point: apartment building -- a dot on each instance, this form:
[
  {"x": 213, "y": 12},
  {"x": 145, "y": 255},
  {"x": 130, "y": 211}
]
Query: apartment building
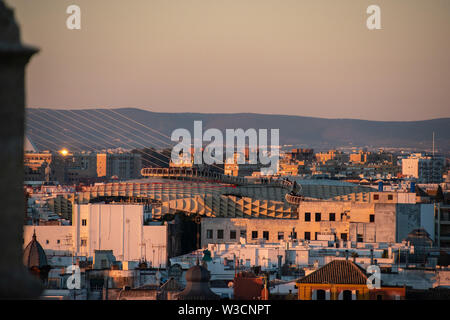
[
  {"x": 378, "y": 217},
  {"x": 424, "y": 168},
  {"x": 122, "y": 166}
]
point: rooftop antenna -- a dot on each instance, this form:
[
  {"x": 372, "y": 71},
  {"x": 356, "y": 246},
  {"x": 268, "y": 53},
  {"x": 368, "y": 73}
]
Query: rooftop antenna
[{"x": 433, "y": 143}]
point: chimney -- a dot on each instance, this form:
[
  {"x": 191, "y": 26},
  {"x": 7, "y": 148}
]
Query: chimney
[
  {"x": 380, "y": 186},
  {"x": 280, "y": 257}
]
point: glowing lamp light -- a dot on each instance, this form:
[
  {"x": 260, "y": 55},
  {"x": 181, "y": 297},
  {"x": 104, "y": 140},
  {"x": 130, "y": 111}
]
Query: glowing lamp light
[{"x": 64, "y": 152}]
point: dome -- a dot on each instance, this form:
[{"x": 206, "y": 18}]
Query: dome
[
  {"x": 197, "y": 285},
  {"x": 197, "y": 274},
  {"x": 34, "y": 255}
]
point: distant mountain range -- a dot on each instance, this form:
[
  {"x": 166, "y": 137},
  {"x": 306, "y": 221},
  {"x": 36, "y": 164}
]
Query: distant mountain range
[{"x": 136, "y": 128}]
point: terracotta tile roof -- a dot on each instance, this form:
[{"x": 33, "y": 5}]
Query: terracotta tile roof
[{"x": 337, "y": 272}]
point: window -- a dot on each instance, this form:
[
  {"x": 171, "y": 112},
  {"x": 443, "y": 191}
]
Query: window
[
  {"x": 332, "y": 217},
  {"x": 321, "y": 295},
  {"x": 347, "y": 295},
  {"x": 376, "y": 197},
  {"x": 307, "y": 236},
  {"x": 344, "y": 236},
  {"x": 84, "y": 222},
  {"x": 58, "y": 241},
  {"x": 390, "y": 197},
  {"x": 209, "y": 234},
  {"x": 372, "y": 218},
  {"x": 220, "y": 234},
  {"x": 359, "y": 238},
  {"x": 47, "y": 242},
  {"x": 307, "y": 216},
  {"x": 280, "y": 235},
  {"x": 294, "y": 235},
  {"x": 254, "y": 234},
  {"x": 315, "y": 235},
  {"x": 83, "y": 242},
  {"x": 318, "y": 216},
  {"x": 266, "y": 235},
  {"x": 232, "y": 234},
  {"x": 243, "y": 234}
]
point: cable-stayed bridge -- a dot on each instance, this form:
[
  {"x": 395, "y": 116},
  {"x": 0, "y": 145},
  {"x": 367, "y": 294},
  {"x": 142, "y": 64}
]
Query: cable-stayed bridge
[{"x": 168, "y": 190}]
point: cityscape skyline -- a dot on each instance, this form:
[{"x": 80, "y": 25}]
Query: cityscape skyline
[
  {"x": 246, "y": 207},
  {"x": 45, "y": 124}
]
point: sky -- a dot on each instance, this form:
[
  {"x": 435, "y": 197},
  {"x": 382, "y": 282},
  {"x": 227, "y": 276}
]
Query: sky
[{"x": 296, "y": 57}]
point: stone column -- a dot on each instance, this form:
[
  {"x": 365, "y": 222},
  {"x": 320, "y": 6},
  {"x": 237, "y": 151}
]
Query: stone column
[{"x": 15, "y": 281}]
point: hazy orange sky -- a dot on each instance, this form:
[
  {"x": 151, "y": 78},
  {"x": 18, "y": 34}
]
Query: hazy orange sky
[{"x": 311, "y": 58}]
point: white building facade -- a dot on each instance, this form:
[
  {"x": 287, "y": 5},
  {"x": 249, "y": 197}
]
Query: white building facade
[{"x": 116, "y": 227}]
